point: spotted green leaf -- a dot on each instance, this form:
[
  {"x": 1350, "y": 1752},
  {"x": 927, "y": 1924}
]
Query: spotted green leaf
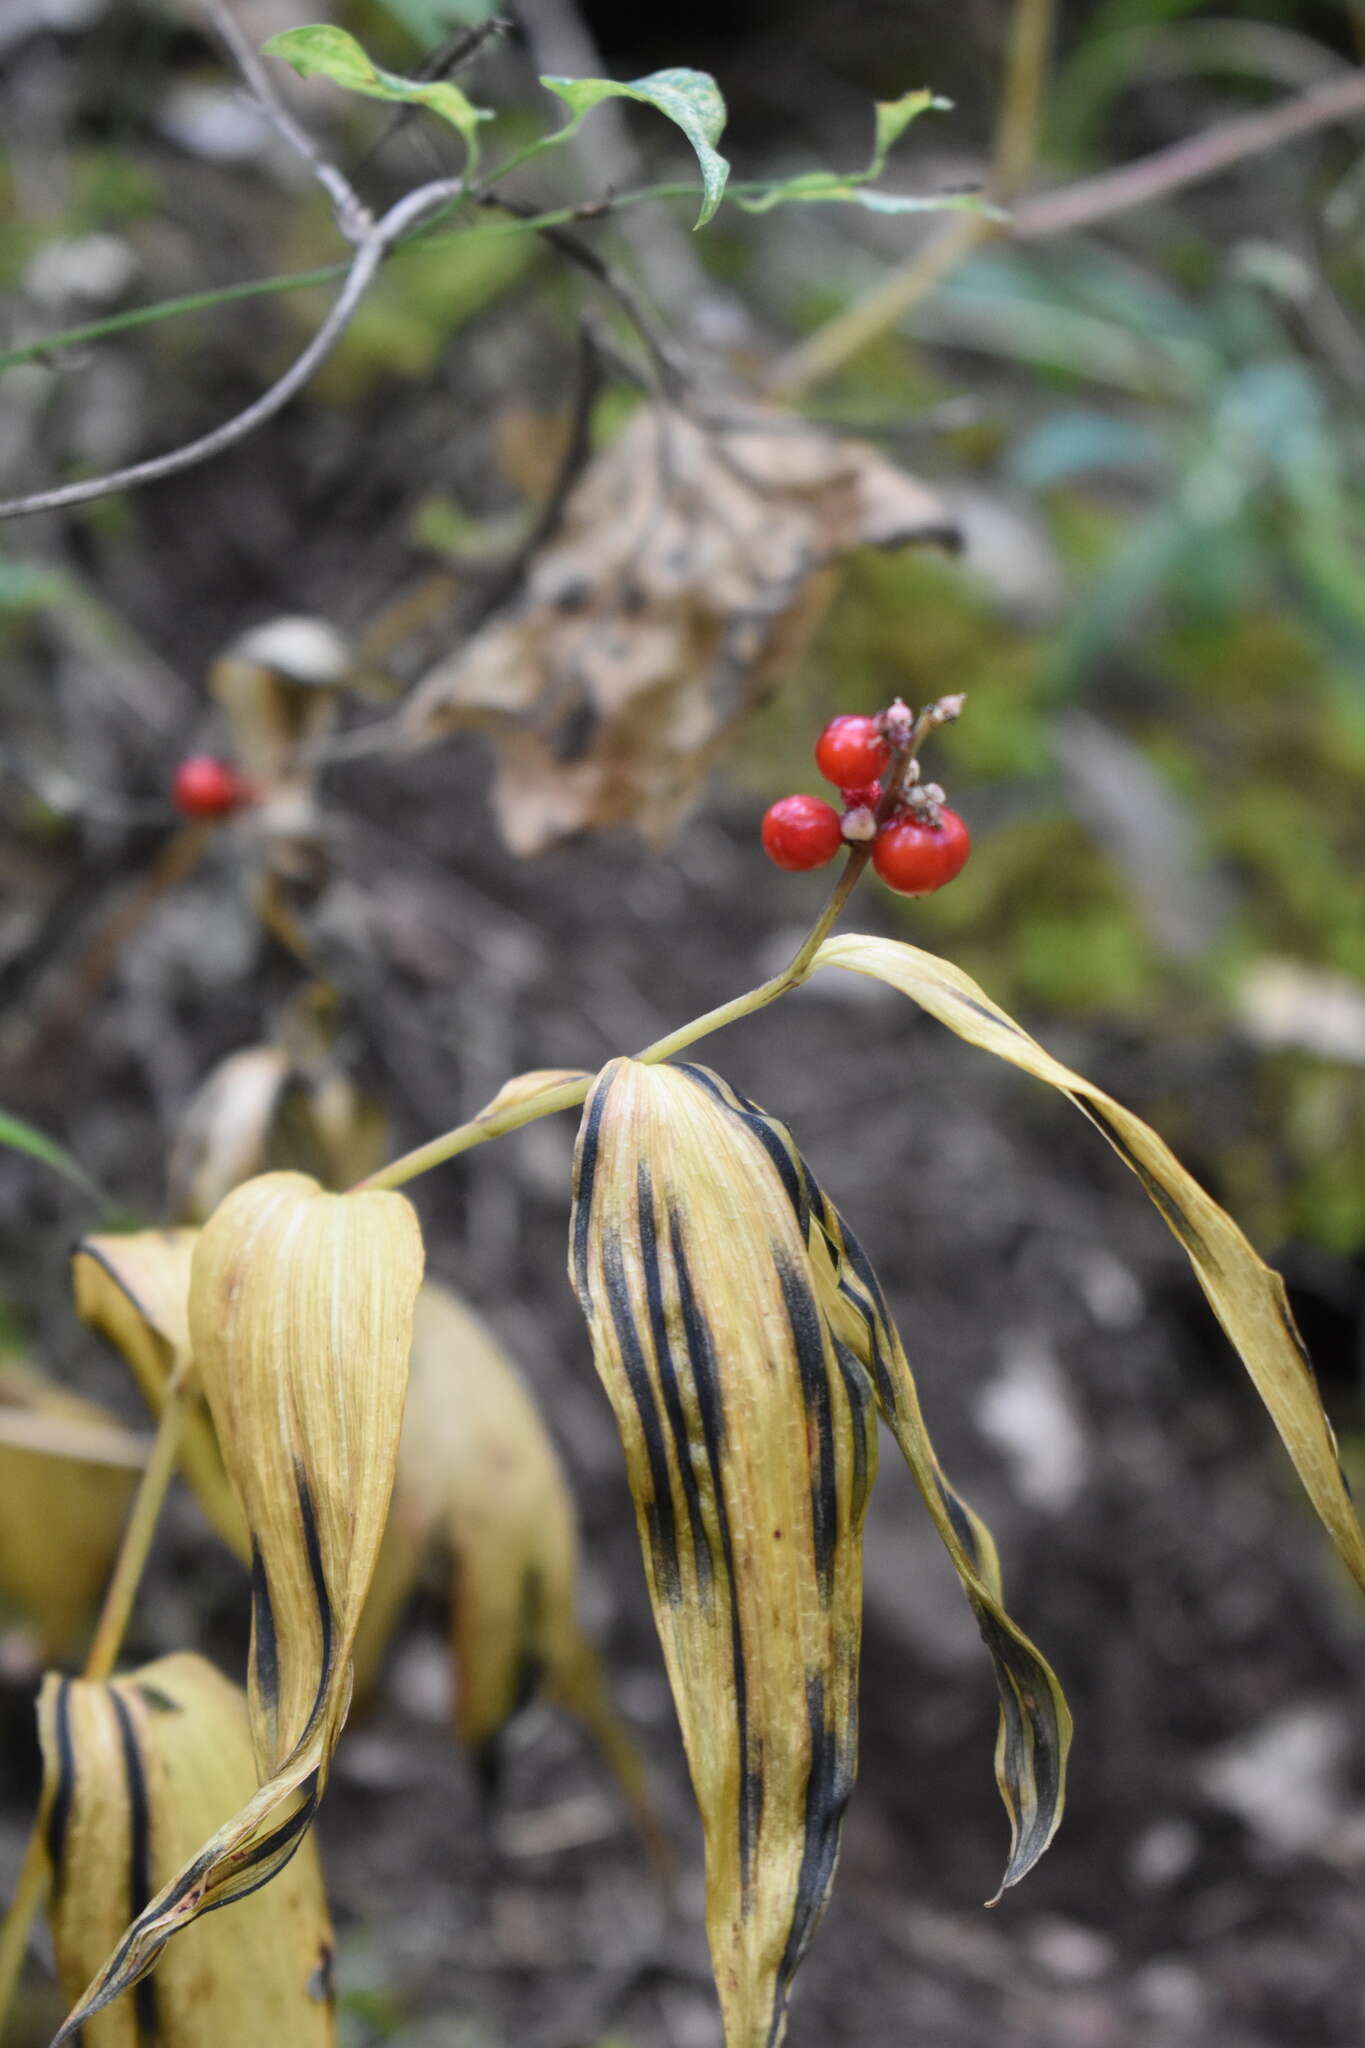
[
  {"x": 692, "y": 99},
  {"x": 320, "y": 51}
]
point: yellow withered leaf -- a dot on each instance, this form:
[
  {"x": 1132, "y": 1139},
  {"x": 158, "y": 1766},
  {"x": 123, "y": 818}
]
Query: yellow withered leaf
[
  {"x": 1035, "y": 1723},
  {"x": 478, "y": 1473},
  {"x": 134, "y": 1289},
  {"x": 67, "y": 1473},
  {"x": 750, "y": 1445},
  {"x": 300, "y": 1322},
  {"x": 1246, "y": 1295},
  {"x": 137, "y": 1772},
  {"x": 301, "y": 1309}
]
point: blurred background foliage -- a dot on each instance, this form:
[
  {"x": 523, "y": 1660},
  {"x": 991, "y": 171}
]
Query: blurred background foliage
[{"x": 1152, "y": 433}]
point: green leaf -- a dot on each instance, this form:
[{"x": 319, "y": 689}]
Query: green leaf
[
  {"x": 692, "y": 99},
  {"x": 893, "y": 117},
  {"x": 23, "y": 1137},
  {"x": 324, "y": 52}
]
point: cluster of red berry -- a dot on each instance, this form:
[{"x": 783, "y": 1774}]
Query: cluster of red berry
[
  {"x": 205, "y": 787},
  {"x": 918, "y": 844}
]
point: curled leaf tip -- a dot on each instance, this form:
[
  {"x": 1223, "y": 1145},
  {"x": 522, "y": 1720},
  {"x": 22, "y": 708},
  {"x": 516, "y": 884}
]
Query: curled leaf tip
[
  {"x": 300, "y": 1324},
  {"x": 137, "y": 1772},
  {"x": 1245, "y": 1294}
]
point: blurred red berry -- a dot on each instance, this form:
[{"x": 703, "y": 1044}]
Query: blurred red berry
[
  {"x": 850, "y": 752},
  {"x": 801, "y": 832},
  {"x": 915, "y": 859},
  {"x": 206, "y": 787}
]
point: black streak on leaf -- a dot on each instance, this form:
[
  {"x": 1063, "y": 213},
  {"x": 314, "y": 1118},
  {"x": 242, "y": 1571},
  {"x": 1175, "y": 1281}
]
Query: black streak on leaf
[
  {"x": 59, "y": 1818},
  {"x": 139, "y": 1854},
  {"x": 701, "y": 1352},
  {"x": 668, "y": 1382},
  {"x": 808, "y": 1336},
  {"x": 659, "y": 1511}
]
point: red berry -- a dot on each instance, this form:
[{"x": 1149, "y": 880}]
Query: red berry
[
  {"x": 801, "y": 832},
  {"x": 865, "y": 799},
  {"x": 851, "y": 752},
  {"x": 915, "y": 859},
  {"x": 206, "y": 787}
]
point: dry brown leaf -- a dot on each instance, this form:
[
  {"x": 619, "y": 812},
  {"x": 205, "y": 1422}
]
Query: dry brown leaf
[
  {"x": 688, "y": 569},
  {"x": 301, "y": 1312},
  {"x": 278, "y": 685}
]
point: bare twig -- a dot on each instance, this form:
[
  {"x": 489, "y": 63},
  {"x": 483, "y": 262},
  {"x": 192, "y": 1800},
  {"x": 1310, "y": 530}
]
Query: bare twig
[
  {"x": 577, "y": 447},
  {"x": 585, "y": 258},
  {"x": 372, "y": 239},
  {"x": 459, "y": 50},
  {"x": 400, "y": 219},
  {"x": 353, "y": 216},
  {"x": 1189, "y": 162},
  {"x": 884, "y": 307}
]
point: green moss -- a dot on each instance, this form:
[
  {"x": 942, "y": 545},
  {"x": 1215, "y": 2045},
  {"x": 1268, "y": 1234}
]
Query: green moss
[
  {"x": 1324, "y": 1126},
  {"x": 109, "y": 189},
  {"x": 1304, "y": 861},
  {"x": 414, "y": 307},
  {"x": 911, "y": 624},
  {"x": 1040, "y": 915}
]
